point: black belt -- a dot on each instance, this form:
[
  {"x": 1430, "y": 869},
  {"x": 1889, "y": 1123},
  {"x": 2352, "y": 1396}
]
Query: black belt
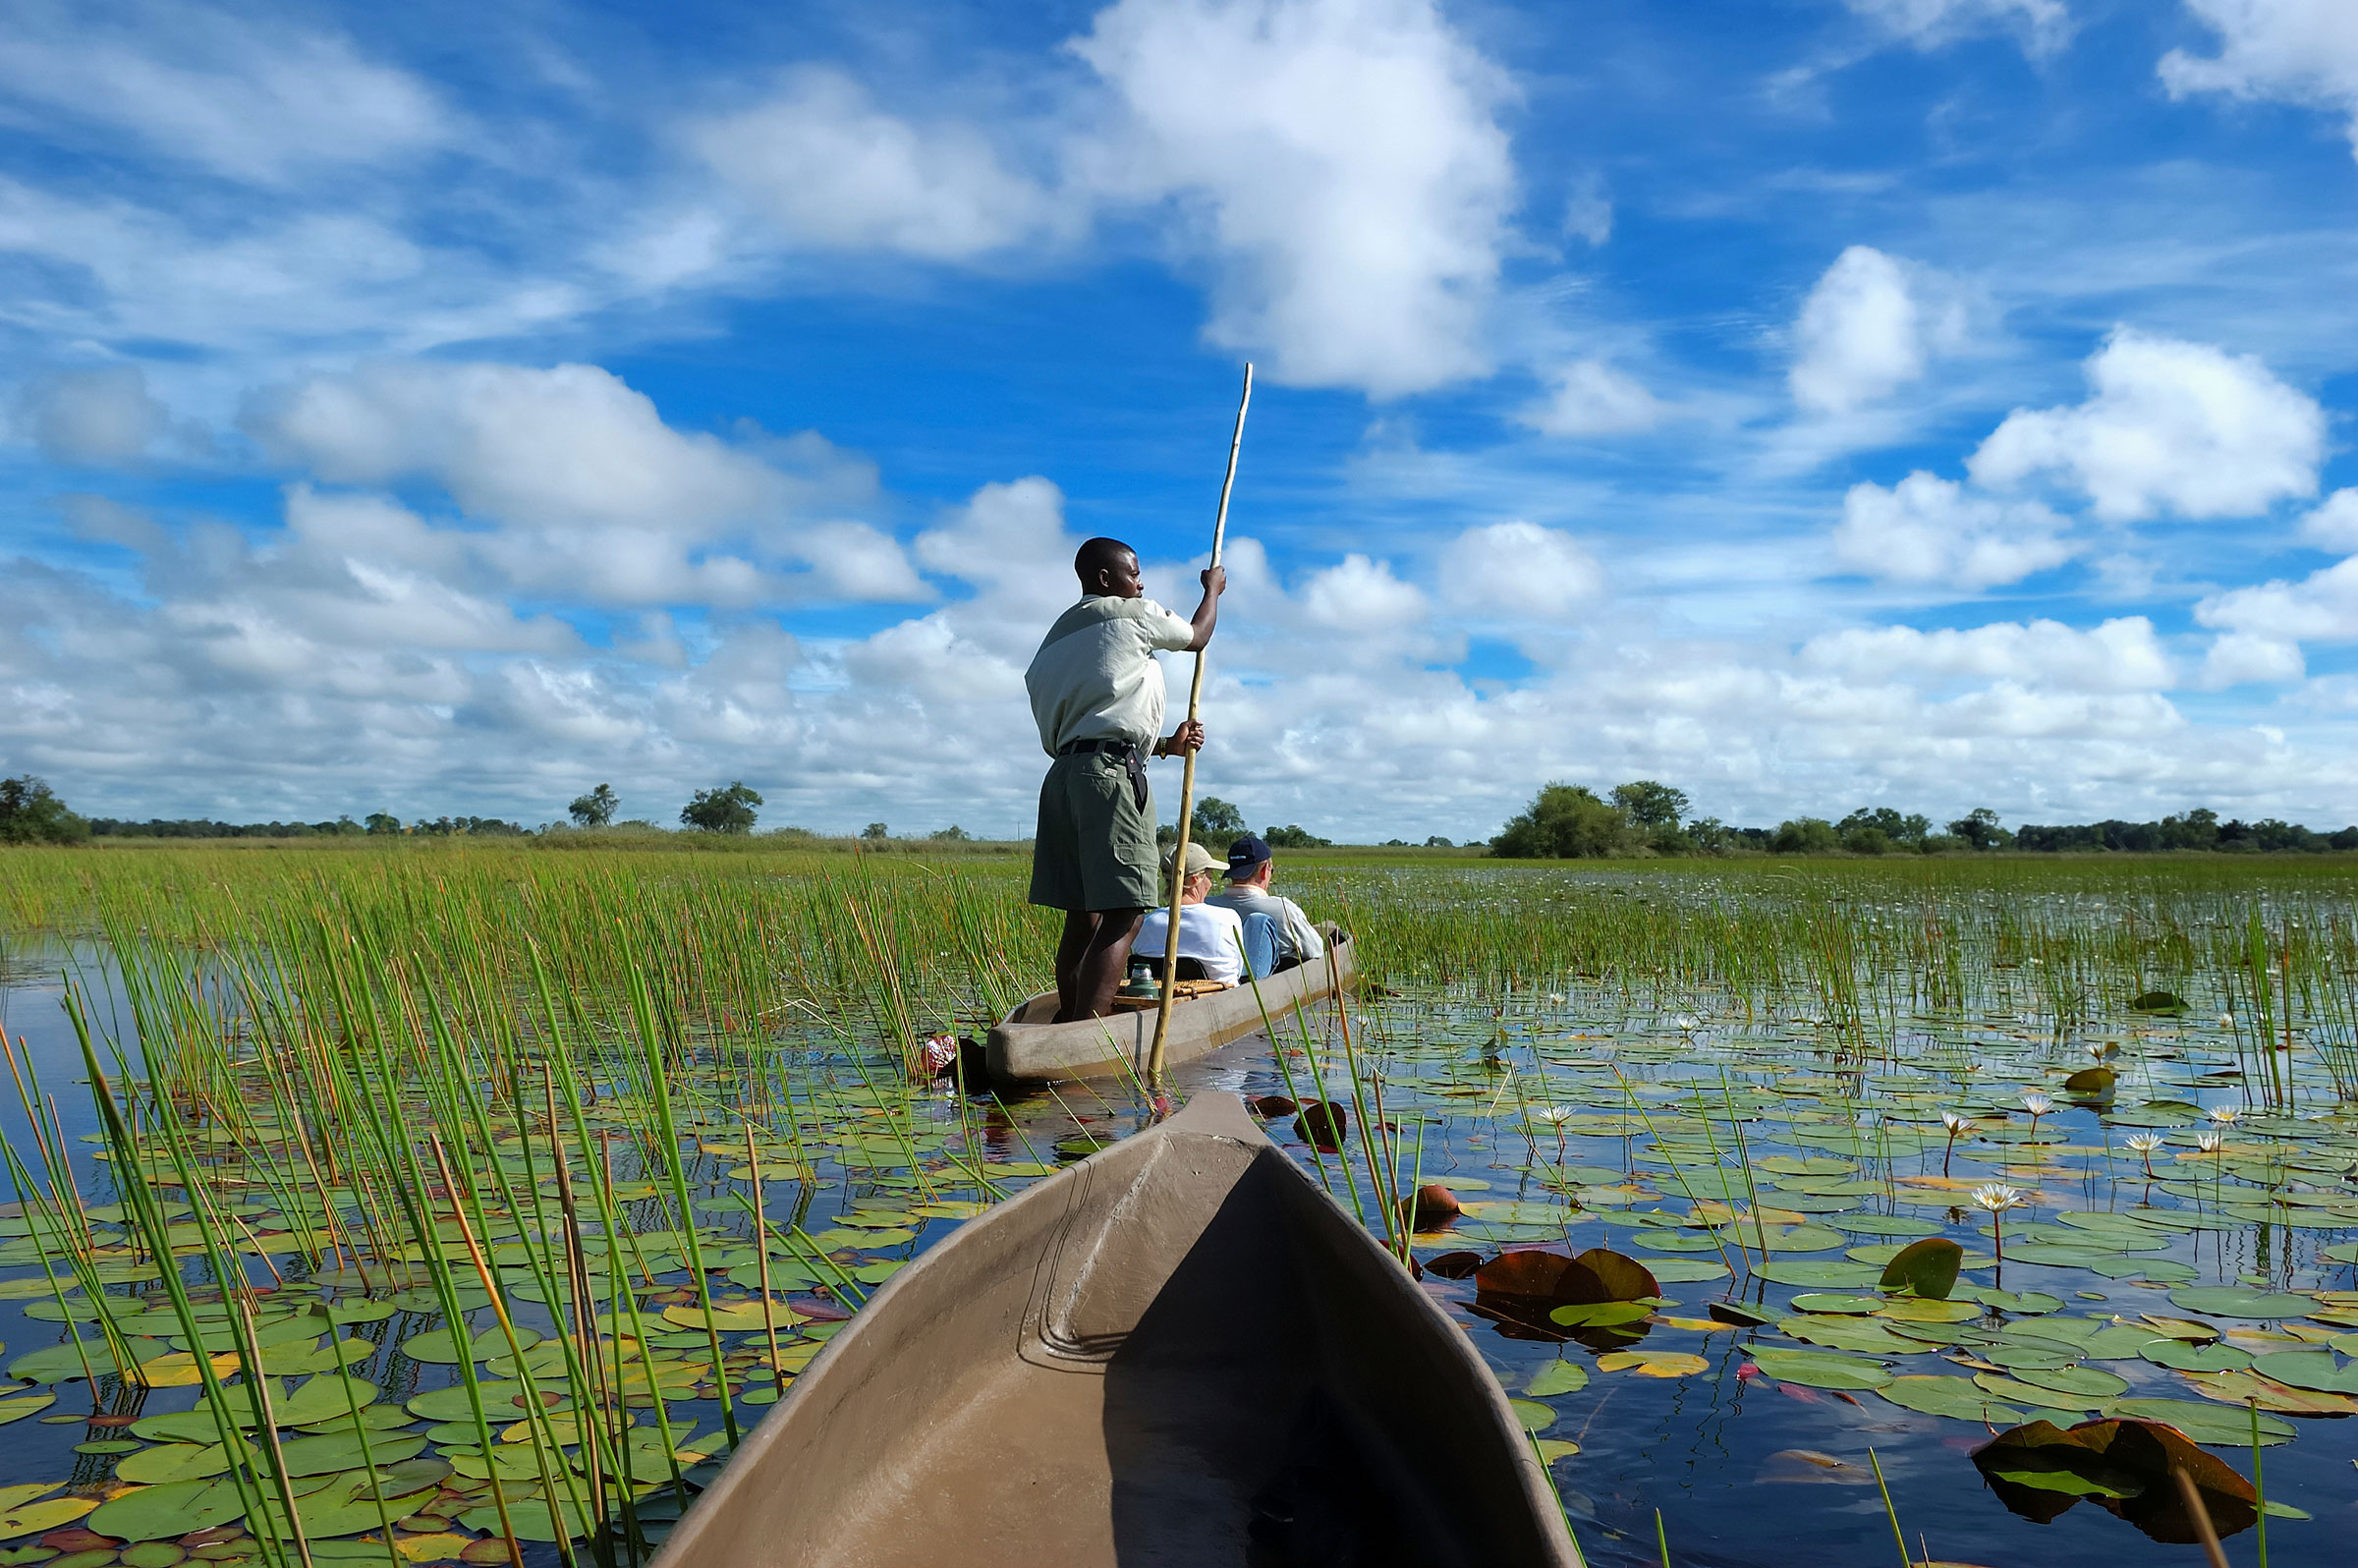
[{"x": 1126, "y": 752}]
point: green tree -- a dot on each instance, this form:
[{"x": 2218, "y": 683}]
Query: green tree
[
  {"x": 1215, "y": 824},
  {"x": 1889, "y": 829},
  {"x": 876, "y": 833},
  {"x": 29, "y": 813},
  {"x": 1979, "y": 829},
  {"x": 1650, "y": 805},
  {"x": 1438, "y": 842},
  {"x": 1805, "y": 835},
  {"x": 595, "y": 809},
  {"x": 722, "y": 811},
  {"x": 952, "y": 834},
  {"x": 1293, "y": 836},
  {"x": 1566, "y": 821}
]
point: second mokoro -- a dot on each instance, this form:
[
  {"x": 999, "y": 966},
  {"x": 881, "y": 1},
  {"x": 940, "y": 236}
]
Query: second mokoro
[
  {"x": 1178, "y": 1352},
  {"x": 1025, "y": 1049}
]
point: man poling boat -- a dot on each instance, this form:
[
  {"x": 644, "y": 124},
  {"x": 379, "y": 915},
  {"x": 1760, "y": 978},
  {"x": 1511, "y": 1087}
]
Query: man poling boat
[{"x": 1098, "y": 699}]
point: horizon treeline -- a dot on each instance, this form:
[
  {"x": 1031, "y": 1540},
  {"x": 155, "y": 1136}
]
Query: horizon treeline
[{"x": 1570, "y": 821}]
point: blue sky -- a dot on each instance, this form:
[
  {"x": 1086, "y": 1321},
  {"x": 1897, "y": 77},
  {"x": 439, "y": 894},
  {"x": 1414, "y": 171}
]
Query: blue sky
[{"x": 1931, "y": 403}]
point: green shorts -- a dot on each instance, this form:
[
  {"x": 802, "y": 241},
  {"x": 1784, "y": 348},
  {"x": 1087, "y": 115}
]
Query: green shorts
[{"x": 1096, "y": 845}]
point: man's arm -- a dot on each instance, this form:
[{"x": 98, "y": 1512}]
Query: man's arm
[{"x": 1208, "y": 613}]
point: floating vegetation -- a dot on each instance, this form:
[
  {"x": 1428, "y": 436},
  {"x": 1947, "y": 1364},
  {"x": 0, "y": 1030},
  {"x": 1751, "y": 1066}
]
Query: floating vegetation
[{"x": 470, "y": 1204}]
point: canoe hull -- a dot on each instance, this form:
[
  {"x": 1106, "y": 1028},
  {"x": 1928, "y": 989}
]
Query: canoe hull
[
  {"x": 1025, "y": 1049},
  {"x": 1178, "y": 1352}
]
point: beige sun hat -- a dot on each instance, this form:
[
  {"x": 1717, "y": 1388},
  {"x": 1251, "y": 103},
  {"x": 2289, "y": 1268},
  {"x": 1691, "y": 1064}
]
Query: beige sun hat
[{"x": 1199, "y": 861}]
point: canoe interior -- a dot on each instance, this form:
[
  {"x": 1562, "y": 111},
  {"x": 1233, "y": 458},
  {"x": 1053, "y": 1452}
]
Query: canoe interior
[{"x": 1178, "y": 1353}]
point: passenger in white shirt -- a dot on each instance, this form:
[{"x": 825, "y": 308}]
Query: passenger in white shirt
[{"x": 1212, "y": 936}]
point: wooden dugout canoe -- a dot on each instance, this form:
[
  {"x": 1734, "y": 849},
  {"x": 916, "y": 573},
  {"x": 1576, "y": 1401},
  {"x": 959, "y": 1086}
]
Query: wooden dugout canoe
[
  {"x": 1025, "y": 1049},
  {"x": 1178, "y": 1352}
]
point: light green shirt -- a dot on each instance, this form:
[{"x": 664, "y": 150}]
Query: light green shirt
[{"x": 1095, "y": 677}]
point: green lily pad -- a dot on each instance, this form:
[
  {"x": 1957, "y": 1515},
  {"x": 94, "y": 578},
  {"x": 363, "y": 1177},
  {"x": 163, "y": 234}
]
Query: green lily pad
[
  {"x": 2028, "y": 1302},
  {"x": 1998, "y": 1386},
  {"x": 1558, "y": 1378},
  {"x": 1685, "y": 1271},
  {"x": 1898, "y": 1226},
  {"x": 1536, "y": 1417},
  {"x": 1820, "y": 1368},
  {"x": 1928, "y": 1266},
  {"x": 2084, "y": 1383},
  {"x": 1958, "y": 1398},
  {"x": 1820, "y": 1301},
  {"x": 175, "y": 1462},
  {"x": 57, "y": 1364},
  {"x": 2212, "y": 1425},
  {"x": 165, "y": 1512},
  {"x": 2235, "y": 1300},
  {"x": 2315, "y": 1370},
  {"x": 24, "y": 1405},
  {"x": 1864, "y": 1334},
  {"x": 436, "y": 1347},
  {"x": 2016, "y": 1355},
  {"x": 2178, "y": 1356}
]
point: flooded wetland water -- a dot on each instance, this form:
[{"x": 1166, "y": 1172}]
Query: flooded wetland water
[{"x": 641, "y": 1129}]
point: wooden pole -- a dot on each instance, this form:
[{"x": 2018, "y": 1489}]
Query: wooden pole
[{"x": 1187, "y": 776}]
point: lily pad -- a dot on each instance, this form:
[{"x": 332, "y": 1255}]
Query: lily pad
[
  {"x": 2178, "y": 1356},
  {"x": 1928, "y": 1266},
  {"x": 2214, "y": 1426},
  {"x": 1959, "y": 1398},
  {"x": 1558, "y": 1378},
  {"x": 24, "y": 1510},
  {"x": 2305, "y": 1368},
  {"x": 163, "y": 1513},
  {"x": 1653, "y": 1363},
  {"x": 2235, "y": 1300},
  {"x": 1685, "y": 1271},
  {"x": 1820, "y": 1368}
]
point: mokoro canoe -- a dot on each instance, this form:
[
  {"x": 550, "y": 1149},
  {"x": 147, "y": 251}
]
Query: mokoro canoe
[
  {"x": 1177, "y": 1352},
  {"x": 1025, "y": 1049}
]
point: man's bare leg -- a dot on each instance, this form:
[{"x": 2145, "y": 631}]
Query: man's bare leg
[{"x": 1090, "y": 959}]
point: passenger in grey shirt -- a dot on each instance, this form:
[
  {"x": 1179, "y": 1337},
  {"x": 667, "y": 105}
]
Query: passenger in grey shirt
[{"x": 1250, "y": 861}]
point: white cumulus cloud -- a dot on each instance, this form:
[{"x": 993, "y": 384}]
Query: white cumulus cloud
[
  {"x": 2296, "y": 51},
  {"x": 101, "y": 415},
  {"x": 1929, "y": 530},
  {"x": 1508, "y": 570},
  {"x": 830, "y": 170},
  {"x": 2120, "y": 655},
  {"x": 1869, "y": 327},
  {"x": 1361, "y": 597},
  {"x": 2322, "y": 607},
  {"x": 2237, "y": 657},
  {"x": 1592, "y": 398},
  {"x": 1340, "y": 164},
  {"x": 2334, "y": 525},
  {"x": 2171, "y": 426},
  {"x": 568, "y": 444}
]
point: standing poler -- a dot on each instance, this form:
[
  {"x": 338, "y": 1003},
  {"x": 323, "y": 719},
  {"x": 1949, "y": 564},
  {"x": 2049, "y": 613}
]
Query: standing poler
[{"x": 1097, "y": 696}]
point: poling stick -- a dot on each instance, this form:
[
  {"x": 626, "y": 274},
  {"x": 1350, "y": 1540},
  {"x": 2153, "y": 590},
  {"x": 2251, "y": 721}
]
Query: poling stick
[{"x": 1187, "y": 776}]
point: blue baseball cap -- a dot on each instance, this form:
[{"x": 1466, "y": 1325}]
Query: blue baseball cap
[{"x": 1245, "y": 853}]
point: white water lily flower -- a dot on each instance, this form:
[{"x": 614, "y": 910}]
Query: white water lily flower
[
  {"x": 1996, "y": 1196},
  {"x": 1554, "y": 1113},
  {"x": 2210, "y": 1143},
  {"x": 2226, "y": 1020},
  {"x": 2224, "y": 1115},
  {"x": 1954, "y": 1122},
  {"x": 2144, "y": 1143}
]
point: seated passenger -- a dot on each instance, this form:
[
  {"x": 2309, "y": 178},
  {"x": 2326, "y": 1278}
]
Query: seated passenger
[
  {"x": 1250, "y": 863},
  {"x": 1210, "y": 938}
]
